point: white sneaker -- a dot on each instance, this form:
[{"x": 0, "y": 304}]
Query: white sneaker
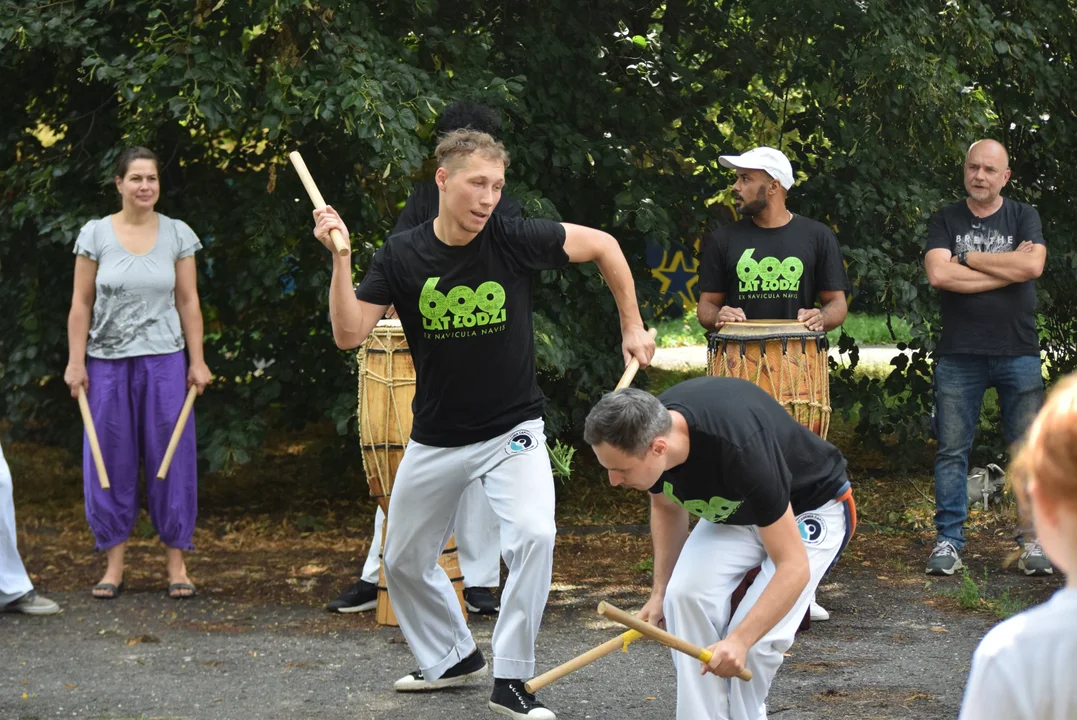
[
  {"x": 33, "y": 604},
  {"x": 818, "y": 613}
]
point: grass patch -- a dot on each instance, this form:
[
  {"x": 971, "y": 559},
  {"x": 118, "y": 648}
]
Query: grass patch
[
  {"x": 867, "y": 329},
  {"x": 645, "y": 566},
  {"x": 978, "y": 597},
  {"x": 872, "y": 330}
]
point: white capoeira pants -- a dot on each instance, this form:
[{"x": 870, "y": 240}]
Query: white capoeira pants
[
  {"x": 514, "y": 470},
  {"x": 14, "y": 582},
  {"x": 711, "y": 565},
  {"x": 477, "y": 541}
]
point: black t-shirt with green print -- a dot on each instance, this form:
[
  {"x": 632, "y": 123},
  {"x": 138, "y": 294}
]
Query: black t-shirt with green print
[
  {"x": 771, "y": 273},
  {"x": 466, "y": 312},
  {"x": 747, "y": 457}
]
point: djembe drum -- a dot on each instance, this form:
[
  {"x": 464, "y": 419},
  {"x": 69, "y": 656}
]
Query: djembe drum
[
  {"x": 386, "y": 390},
  {"x": 782, "y": 357}
]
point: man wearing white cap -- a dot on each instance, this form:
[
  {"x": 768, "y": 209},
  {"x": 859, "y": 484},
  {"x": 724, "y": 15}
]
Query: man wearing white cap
[{"x": 771, "y": 264}]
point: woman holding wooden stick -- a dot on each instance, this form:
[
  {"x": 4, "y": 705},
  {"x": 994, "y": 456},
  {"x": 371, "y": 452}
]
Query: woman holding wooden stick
[{"x": 134, "y": 310}]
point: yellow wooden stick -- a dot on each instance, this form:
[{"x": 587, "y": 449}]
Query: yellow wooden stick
[
  {"x": 91, "y": 435},
  {"x": 618, "y": 643},
  {"x": 667, "y": 639},
  {"x": 342, "y": 245},
  {"x": 177, "y": 432}
]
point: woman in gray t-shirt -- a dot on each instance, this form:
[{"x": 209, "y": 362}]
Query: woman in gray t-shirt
[{"x": 134, "y": 309}]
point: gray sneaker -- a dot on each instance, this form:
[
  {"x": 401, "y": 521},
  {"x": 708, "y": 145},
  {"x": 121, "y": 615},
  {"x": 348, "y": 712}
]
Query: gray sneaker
[
  {"x": 1033, "y": 561},
  {"x": 33, "y": 604},
  {"x": 944, "y": 559}
]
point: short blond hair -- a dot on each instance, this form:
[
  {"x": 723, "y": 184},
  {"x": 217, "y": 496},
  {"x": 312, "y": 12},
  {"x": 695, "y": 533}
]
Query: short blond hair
[
  {"x": 459, "y": 144},
  {"x": 1048, "y": 456}
]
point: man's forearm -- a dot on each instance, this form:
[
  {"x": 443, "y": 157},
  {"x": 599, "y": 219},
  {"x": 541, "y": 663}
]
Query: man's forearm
[
  {"x": 345, "y": 312},
  {"x": 707, "y": 314},
  {"x": 834, "y": 313},
  {"x": 965, "y": 280},
  {"x": 669, "y": 531},
  {"x": 618, "y": 276},
  {"x": 1013, "y": 267}
]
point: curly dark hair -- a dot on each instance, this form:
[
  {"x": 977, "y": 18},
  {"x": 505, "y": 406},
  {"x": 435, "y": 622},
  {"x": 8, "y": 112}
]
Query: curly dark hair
[{"x": 462, "y": 115}]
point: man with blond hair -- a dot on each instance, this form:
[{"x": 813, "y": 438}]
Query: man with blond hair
[
  {"x": 462, "y": 284},
  {"x": 983, "y": 255}
]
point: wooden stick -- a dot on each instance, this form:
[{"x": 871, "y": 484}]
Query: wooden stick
[
  {"x": 672, "y": 641},
  {"x": 177, "y": 432},
  {"x": 618, "y": 643},
  {"x": 342, "y": 246},
  {"x": 633, "y": 366},
  {"x": 91, "y": 435}
]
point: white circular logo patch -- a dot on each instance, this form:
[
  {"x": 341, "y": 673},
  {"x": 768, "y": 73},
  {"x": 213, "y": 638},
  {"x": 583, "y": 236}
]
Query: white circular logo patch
[
  {"x": 812, "y": 528},
  {"x": 521, "y": 441}
]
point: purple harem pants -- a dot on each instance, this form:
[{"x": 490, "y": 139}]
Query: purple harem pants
[{"x": 135, "y": 403}]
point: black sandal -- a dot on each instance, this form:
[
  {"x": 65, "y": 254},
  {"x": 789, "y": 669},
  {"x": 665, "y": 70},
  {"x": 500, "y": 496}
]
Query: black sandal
[
  {"x": 174, "y": 587},
  {"x": 114, "y": 591}
]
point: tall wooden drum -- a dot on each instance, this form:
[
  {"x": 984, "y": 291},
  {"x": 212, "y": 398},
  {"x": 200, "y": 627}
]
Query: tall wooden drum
[
  {"x": 782, "y": 357},
  {"x": 386, "y": 391}
]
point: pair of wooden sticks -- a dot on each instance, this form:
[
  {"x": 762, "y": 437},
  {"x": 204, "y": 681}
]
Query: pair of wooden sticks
[
  {"x": 638, "y": 629},
  {"x": 95, "y": 446}
]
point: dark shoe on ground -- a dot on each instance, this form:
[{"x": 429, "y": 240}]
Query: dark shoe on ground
[
  {"x": 359, "y": 597},
  {"x": 481, "y": 601},
  {"x": 512, "y": 700},
  {"x": 944, "y": 559},
  {"x": 33, "y": 604},
  {"x": 470, "y": 668}
]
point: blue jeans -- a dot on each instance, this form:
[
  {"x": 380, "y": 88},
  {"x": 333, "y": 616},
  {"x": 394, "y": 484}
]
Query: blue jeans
[{"x": 960, "y": 383}]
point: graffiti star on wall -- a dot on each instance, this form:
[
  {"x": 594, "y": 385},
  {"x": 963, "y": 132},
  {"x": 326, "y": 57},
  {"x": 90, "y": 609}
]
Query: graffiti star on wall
[{"x": 677, "y": 271}]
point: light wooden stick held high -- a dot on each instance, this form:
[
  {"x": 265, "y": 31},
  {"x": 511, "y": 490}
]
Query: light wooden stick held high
[
  {"x": 91, "y": 435},
  {"x": 342, "y": 245},
  {"x": 177, "y": 432},
  {"x": 633, "y": 366},
  {"x": 667, "y": 639}
]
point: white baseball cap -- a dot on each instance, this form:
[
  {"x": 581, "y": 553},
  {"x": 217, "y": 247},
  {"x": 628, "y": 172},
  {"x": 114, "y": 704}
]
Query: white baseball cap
[{"x": 768, "y": 159}]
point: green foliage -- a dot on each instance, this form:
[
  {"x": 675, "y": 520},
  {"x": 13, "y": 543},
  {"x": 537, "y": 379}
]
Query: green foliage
[
  {"x": 978, "y": 596},
  {"x": 561, "y": 459},
  {"x": 615, "y": 118},
  {"x": 865, "y": 329}
]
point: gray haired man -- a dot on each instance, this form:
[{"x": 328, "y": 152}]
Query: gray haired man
[{"x": 772, "y": 494}]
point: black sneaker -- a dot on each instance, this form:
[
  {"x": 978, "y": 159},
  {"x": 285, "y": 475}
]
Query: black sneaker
[
  {"x": 360, "y": 597},
  {"x": 481, "y": 601},
  {"x": 512, "y": 700},
  {"x": 470, "y": 668}
]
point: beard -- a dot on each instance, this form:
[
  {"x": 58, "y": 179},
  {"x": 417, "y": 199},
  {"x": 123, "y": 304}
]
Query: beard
[{"x": 755, "y": 207}]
